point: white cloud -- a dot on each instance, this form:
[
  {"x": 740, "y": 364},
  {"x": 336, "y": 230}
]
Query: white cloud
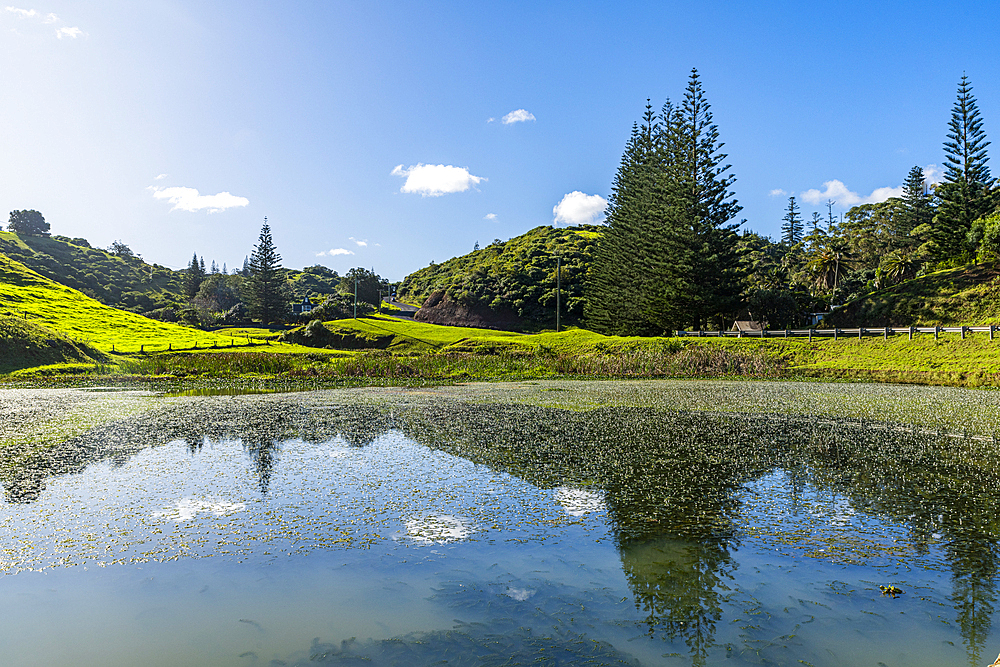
[
  {"x": 68, "y": 32},
  {"x": 933, "y": 175},
  {"x": 838, "y": 192},
  {"x": 578, "y": 208},
  {"x": 23, "y": 13},
  {"x": 490, "y": 216},
  {"x": 777, "y": 192},
  {"x": 188, "y": 199},
  {"x": 434, "y": 180},
  {"x": 362, "y": 244},
  {"x": 490, "y": 119},
  {"x": 340, "y": 251},
  {"x": 51, "y": 18},
  {"x": 517, "y": 116},
  {"x": 160, "y": 177}
]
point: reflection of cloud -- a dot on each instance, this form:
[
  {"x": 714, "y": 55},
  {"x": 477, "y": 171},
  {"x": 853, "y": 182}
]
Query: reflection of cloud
[
  {"x": 577, "y": 502},
  {"x": 517, "y": 116},
  {"x": 434, "y": 180},
  {"x": 187, "y": 508},
  {"x": 519, "y": 594},
  {"x": 188, "y": 199},
  {"x": 438, "y": 528},
  {"x": 578, "y": 208}
]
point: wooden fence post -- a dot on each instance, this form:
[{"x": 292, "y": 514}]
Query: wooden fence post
[
  {"x": 963, "y": 333},
  {"x": 835, "y": 332},
  {"x": 810, "y": 335},
  {"x": 885, "y": 334},
  {"x": 911, "y": 332},
  {"x": 991, "y": 332},
  {"x": 861, "y": 330},
  {"x": 936, "y": 330}
]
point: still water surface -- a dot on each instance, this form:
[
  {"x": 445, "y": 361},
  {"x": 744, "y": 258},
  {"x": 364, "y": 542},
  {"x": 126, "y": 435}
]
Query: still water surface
[{"x": 418, "y": 528}]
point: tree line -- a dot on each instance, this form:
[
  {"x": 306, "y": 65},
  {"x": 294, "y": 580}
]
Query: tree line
[{"x": 671, "y": 257}]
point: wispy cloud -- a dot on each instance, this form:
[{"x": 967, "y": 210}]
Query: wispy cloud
[
  {"x": 71, "y": 32},
  {"x": 836, "y": 190},
  {"x": 434, "y": 180},
  {"x": 362, "y": 244},
  {"x": 188, "y": 199},
  {"x": 490, "y": 119},
  {"x": 336, "y": 251},
  {"x": 160, "y": 177},
  {"x": 517, "y": 116},
  {"x": 23, "y": 13},
  {"x": 490, "y": 216},
  {"x": 777, "y": 192},
  {"x": 577, "y": 208}
]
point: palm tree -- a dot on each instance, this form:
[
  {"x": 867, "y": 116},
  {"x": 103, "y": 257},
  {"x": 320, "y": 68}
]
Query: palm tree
[{"x": 828, "y": 267}]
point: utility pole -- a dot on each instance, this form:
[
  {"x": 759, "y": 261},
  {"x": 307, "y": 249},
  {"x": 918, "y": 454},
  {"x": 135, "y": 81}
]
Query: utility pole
[{"x": 558, "y": 288}]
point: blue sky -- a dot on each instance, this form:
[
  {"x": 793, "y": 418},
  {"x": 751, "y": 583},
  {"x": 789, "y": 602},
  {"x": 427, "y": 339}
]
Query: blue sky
[{"x": 362, "y": 130}]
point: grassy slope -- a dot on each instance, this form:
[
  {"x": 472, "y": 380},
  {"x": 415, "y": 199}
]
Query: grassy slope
[
  {"x": 110, "y": 279},
  {"x": 77, "y": 316},
  {"x": 24, "y": 344},
  {"x": 966, "y": 295},
  {"x": 949, "y": 360}
]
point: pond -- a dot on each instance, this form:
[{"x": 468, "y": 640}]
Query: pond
[{"x": 562, "y": 523}]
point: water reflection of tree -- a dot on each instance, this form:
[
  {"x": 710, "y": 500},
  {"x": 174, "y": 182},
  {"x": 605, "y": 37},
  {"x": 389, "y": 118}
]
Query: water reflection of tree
[
  {"x": 670, "y": 482},
  {"x": 943, "y": 488}
]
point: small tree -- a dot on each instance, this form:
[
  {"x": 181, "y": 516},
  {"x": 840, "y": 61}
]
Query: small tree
[
  {"x": 791, "y": 231},
  {"x": 370, "y": 285},
  {"x": 195, "y": 276},
  {"x": 28, "y": 223},
  {"x": 266, "y": 294},
  {"x": 119, "y": 249}
]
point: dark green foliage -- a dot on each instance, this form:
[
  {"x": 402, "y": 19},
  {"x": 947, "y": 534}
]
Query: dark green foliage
[
  {"x": 337, "y": 307},
  {"x": 967, "y": 191},
  {"x": 28, "y": 223},
  {"x": 120, "y": 249},
  {"x": 266, "y": 295},
  {"x": 370, "y": 287},
  {"x": 516, "y": 278},
  {"x": 669, "y": 256},
  {"x": 194, "y": 276},
  {"x": 122, "y": 281},
  {"x": 313, "y": 281},
  {"x": 791, "y": 230},
  {"x": 218, "y": 293},
  {"x": 917, "y": 207}
]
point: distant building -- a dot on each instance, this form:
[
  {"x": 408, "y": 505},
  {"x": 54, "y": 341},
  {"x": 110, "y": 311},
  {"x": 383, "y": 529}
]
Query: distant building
[
  {"x": 304, "y": 307},
  {"x": 747, "y": 325}
]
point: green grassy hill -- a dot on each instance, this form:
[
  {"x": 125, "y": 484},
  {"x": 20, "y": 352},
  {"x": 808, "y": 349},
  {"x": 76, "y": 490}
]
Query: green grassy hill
[
  {"x": 507, "y": 284},
  {"x": 28, "y": 295},
  {"x": 124, "y": 282},
  {"x": 24, "y": 344},
  {"x": 967, "y": 295}
]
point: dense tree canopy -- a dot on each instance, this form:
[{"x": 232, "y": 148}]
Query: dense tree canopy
[
  {"x": 668, "y": 257},
  {"x": 28, "y": 223}
]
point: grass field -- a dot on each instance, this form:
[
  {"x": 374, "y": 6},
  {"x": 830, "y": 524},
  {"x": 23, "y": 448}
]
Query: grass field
[{"x": 27, "y": 295}]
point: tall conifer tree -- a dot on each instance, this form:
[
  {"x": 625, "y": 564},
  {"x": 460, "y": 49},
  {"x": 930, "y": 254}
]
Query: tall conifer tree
[
  {"x": 195, "y": 276},
  {"x": 791, "y": 231},
  {"x": 267, "y": 296},
  {"x": 706, "y": 206},
  {"x": 917, "y": 207},
  {"x": 966, "y": 193}
]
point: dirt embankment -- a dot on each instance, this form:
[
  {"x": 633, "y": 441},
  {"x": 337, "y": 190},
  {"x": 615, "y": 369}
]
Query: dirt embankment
[{"x": 439, "y": 308}]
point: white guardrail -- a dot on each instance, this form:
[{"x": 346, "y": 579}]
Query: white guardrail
[{"x": 884, "y": 332}]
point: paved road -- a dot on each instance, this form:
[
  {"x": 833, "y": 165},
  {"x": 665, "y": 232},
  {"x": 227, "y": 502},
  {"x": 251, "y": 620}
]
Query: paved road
[{"x": 405, "y": 307}]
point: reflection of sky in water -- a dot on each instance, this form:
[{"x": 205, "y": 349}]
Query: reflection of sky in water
[{"x": 190, "y": 563}]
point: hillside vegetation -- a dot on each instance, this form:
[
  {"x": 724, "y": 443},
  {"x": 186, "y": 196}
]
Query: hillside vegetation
[
  {"x": 75, "y": 315},
  {"x": 24, "y": 344},
  {"x": 122, "y": 281},
  {"x": 507, "y": 284},
  {"x": 966, "y": 295}
]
